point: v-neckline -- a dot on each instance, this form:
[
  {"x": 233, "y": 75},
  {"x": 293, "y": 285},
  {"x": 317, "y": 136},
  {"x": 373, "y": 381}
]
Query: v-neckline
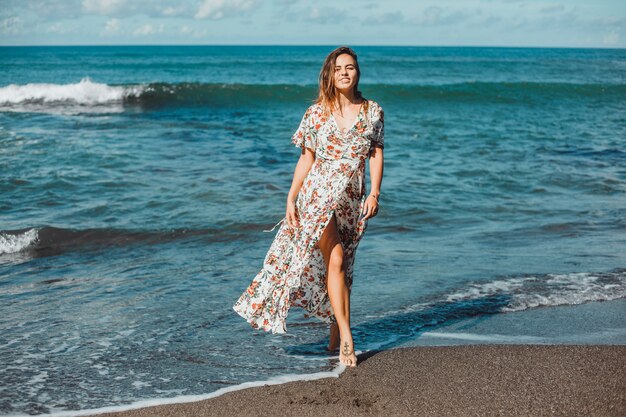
[{"x": 353, "y": 123}]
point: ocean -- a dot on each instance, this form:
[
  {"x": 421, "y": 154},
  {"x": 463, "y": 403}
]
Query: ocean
[{"x": 136, "y": 182}]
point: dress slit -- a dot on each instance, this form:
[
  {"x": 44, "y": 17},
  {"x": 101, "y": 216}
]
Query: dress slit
[
  {"x": 315, "y": 309},
  {"x": 280, "y": 295}
]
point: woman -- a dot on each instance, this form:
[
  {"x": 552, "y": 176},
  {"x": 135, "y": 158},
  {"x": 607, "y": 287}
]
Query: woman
[{"x": 311, "y": 259}]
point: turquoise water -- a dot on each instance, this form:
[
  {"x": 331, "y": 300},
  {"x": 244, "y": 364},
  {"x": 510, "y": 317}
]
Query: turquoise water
[{"x": 136, "y": 182}]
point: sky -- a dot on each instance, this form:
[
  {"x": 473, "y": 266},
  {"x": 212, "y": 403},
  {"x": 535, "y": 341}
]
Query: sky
[{"x": 531, "y": 23}]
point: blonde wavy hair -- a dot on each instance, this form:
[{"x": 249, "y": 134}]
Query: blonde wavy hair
[{"x": 327, "y": 95}]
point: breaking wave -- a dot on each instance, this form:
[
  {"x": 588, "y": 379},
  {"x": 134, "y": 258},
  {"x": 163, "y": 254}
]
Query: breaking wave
[{"x": 93, "y": 97}]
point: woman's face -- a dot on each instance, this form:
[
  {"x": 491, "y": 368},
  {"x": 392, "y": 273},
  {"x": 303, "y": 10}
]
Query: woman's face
[{"x": 346, "y": 76}]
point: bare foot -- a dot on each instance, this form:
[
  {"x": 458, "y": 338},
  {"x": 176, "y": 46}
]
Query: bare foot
[
  {"x": 334, "y": 337},
  {"x": 346, "y": 354}
]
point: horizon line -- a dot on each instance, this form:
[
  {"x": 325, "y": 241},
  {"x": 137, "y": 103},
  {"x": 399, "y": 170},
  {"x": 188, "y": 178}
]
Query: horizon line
[{"x": 313, "y": 45}]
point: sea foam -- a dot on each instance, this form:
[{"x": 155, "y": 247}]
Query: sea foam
[
  {"x": 518, "y": 293},
  {"x": 85, "y": 96},
  {"x": 281, "y": 379},
  {"x": 15, "y": 243},
  {"x": 548, "y": 290},
  {"x": 85, "y": 92}
]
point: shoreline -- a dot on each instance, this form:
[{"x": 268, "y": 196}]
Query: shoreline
[{"x": 512, "y": 380}]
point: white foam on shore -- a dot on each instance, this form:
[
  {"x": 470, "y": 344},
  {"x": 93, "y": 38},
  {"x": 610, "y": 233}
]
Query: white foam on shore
[
  {"x": 16, "y": 243},
  {"x": 548, "y": 290},
  {"x": 277, "y": 380},
  {"x": 577, "y": 338},
  {"x": 522, "y": 293},
  {"x": 496, "y": 338}
]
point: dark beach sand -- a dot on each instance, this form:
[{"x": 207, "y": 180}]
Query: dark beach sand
[{"x": 474, "y": 380}]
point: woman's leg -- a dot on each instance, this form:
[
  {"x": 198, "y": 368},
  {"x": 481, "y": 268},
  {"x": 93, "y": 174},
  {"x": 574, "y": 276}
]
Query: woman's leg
[
  {"x": 338, "y": 291},
  {"x": 333, "y": 339}
]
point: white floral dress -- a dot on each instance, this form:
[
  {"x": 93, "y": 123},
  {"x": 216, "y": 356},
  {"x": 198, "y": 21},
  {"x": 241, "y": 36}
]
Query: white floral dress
[{"x": 294, "y": 272}]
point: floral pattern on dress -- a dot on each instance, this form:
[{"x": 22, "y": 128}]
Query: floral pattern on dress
[{"x": 294, "y": 272}]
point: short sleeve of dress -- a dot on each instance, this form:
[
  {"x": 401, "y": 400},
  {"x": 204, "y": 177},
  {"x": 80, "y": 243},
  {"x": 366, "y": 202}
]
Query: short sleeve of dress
[
  {"x": 378, "y": 123},
  {"x": 306, "y": 134}
]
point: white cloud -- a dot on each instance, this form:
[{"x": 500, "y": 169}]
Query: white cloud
[
  {"x": 612, "y": 22},
  {"x": 219, "y": 9},
  {"x": 58, "y": 28},
  {"x": 148, "y": 29},
  {"x": 285, "y": 3},
  {"x": 151, "y": 8},
  {"x": 385, "y": 18},
  {"x": 196, "y": 33},
  {"x": 326, "y": 14},
  {"x": 552, "y": 8},
  {"x": 72, "y": 9},
  {"x": 611, "y": 38},
  {"x": 436, "y": 16},
  {"x": 490, "y": 21},
  {"x": 105, "y": 7},
  {"x": 171, "y": 11},
  {"x": 11, "y": 25},
  {"x": 68, "y": 9},
  {"x": 111, "y": 27}
]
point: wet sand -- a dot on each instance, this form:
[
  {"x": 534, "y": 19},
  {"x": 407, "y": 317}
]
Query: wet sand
[{"x": 470, "y": 380}]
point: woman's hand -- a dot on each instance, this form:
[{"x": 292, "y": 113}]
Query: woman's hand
[
  {"x": 370, "y": 208},
  {"x": 292, "y": 214}
]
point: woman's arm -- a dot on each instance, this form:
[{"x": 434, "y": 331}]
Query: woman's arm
[
  {"x": 376, "y": 170},
  {"x": 376, "y": 159},
  {"x": 307, "y": 157}
]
